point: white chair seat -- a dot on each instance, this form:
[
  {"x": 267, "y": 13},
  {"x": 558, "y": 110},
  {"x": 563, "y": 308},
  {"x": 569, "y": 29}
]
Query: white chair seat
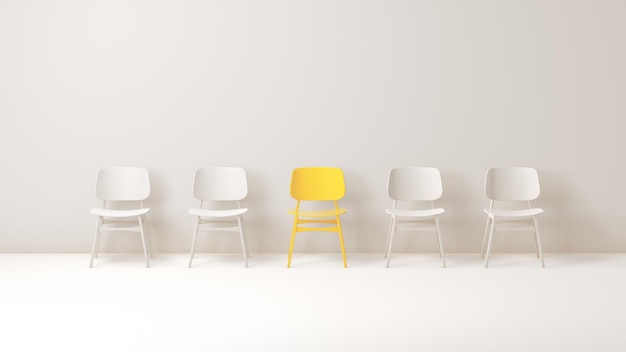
[
  {"x": 521, "y": 213},
  {"x": 425, "y": 213},
  {"x": 117, "y": 213},
  {"x": 218, "y": 214}
]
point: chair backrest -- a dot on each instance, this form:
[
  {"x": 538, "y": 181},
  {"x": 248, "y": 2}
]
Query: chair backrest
[
  {"x": 123, "y": 184},
  {"x": 220, "y": 184},
  {"x": 317, "y": 183},
  {"x": 512, "y": 184},
  {"x": 415, "y": 184}
]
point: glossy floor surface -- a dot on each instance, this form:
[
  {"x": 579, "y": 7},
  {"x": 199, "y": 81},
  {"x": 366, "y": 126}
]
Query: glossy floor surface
[{"x": 53, "y": 302}]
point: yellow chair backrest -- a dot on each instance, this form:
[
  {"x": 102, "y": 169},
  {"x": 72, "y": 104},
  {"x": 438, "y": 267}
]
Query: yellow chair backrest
[{"x": 317, "y": 183}]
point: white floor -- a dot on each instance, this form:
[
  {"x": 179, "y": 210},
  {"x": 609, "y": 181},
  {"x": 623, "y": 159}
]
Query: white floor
[{"x": 53, "y": 302}]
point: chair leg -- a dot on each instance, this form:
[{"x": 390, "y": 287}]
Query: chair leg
[
  {"x": 443, "y": 258},
  {"x": 143, "y": 242},
  {"x": 193, "y": 241},
  {"x": 539, "y": 250},
  {"x": 391, "y": 234},
  {"x": 491, "y": 231},
  {"x": 388, "y": 236},
  {"x": 243, "y": 242},
  {"x": 149, "y": 244},
  {"x": 293, "y": 238},
  {"x": 101, "y": 222},
  {"x": 535, "y": 238},
  {"x": 343, "y": 249},
  {"x": 96, "y": 242},
  {"x": 482, "y": 248}
]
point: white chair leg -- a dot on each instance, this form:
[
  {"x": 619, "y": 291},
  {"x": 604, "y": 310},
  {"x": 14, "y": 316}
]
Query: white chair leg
[
  {"x": 243, "y": 242},
  {"x": 388, "y": 236},
  {"x": 101, "y": 222},
  {"x": 491, "y": 231},
  {"x": 96, "y": 242},
  {"x": 193, "y": 241},
  {"x": 149, "y": 244},
  {"x": 538, "y": 239},
  {"x": 390, "y": 246},
  {"x": 482, "y": 248},
  {"x": 143, "y": 242},
  {"x": 439, "y": 241}
]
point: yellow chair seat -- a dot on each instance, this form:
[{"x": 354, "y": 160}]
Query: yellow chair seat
[{"x": 327, "y": 213}]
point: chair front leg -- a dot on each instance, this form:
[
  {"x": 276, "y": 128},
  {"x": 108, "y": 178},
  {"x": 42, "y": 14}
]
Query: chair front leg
[
  {"x": 538, "y": 240},
  {"x": 143, "y": 242},
  {"x": 343, "y": 249},
  {"x": 293, "y": 238},
  {"x": 388, "y": 235},
  {"x": 489, "y": 243},
  {"x": 482, "y": 248},
  {"x": 440, "y": 242},
  {"x": 96, "y": 241},
  {"x": 243, "y": 242},
  {"x": 193, "y": 241},
  {"x": 391, "y": 235},
  {"x": 149, "y": 244}
]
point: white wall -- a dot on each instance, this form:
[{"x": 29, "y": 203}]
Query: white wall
[{"x": 273, "y": 85}]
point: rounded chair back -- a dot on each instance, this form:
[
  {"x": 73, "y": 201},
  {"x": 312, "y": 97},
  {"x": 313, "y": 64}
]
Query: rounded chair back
[
  {"x": 123, "y": 184},
  {"x": 220, "y": 184},
  {"x": 415, "y": 184}
]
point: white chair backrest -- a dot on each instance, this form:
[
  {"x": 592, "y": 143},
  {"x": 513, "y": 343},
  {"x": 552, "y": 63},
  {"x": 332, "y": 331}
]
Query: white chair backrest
[
  {"x": 415, "y": 184},
  {"x": 512, "y": 184},
  {"x": 220, "y": 184},
  {"x": 123, "y": 184}
]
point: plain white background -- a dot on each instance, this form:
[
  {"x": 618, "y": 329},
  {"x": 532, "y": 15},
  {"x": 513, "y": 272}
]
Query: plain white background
[{"x": 274, "y": 85}]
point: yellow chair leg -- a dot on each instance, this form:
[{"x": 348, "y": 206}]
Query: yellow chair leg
[
  {"x": 293, "y": 238},
  {"x": 343, "y": 250}
]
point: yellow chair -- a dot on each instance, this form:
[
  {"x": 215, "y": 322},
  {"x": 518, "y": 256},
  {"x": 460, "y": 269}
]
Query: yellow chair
[{"x": 317, "y": 184}]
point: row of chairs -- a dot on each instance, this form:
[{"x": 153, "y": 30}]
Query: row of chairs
[{"x": 413, "y": 191}]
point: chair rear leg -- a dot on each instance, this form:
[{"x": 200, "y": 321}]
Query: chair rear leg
[{"x": 96, "y": 242}]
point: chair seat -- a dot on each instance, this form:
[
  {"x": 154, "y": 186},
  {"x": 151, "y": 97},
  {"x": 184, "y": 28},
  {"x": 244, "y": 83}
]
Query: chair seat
[
  {"x": 119, "y": 213},
  {"x": 514, "y": 214},
  {"x": 218, "y": 214},
  {"x": 425, "y": 213},
  {"x": 318, "y": 213}
]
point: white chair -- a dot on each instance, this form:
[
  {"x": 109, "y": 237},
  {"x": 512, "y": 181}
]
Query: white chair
[
  {"x": 215, "y": 186},
  {"x": 511, "y": 187},
  {"x": 117, "y": 187},
  {"x": 414, "y": 186}
]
